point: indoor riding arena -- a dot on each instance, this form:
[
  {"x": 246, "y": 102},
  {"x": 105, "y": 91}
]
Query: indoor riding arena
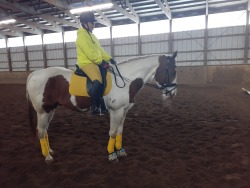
[{"x": 199, "y": 138}]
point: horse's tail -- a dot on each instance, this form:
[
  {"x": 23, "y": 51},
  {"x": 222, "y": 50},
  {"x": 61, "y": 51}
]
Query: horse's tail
[{"x": 31, "y": 111}]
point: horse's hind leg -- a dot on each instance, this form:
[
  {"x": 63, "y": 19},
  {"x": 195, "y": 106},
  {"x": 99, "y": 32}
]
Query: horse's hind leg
[
  {"x": 42, "y": 125},
  {"x": 51, "y": 114}
]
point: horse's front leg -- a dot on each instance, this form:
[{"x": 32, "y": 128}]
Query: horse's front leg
[{"x": 114, "y": 148}]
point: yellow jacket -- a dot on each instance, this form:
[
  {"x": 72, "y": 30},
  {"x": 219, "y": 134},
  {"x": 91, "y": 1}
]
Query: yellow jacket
[{"x": 89, "y": 50}]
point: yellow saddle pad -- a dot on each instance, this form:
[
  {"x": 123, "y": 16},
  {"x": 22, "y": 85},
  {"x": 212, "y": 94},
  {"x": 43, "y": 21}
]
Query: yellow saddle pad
[{"x": 78, "y": 85}]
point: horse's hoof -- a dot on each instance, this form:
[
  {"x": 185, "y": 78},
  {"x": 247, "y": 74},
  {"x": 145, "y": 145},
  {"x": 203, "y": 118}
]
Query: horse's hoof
[
  {"x": 113, "y": 157},
  {"x": 121, "y": 153},
  {"x": 48, "y": 159}
]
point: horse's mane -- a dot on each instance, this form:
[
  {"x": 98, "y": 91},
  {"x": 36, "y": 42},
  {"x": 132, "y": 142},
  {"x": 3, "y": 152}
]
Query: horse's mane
[{"x": 136, "y": 58}]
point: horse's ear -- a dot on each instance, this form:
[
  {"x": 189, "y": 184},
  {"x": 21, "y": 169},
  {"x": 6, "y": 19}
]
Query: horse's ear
[{"x": 175, "y": 54}]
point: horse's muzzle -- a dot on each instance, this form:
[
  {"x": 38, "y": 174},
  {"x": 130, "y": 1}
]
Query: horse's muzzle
[{"x": 169, "y": 92}]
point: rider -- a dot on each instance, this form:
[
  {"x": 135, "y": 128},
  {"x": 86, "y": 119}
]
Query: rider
[{"x": 90, "y": 54}]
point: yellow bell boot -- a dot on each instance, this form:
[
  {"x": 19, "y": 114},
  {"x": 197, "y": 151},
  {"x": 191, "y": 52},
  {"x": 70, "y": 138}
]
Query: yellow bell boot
[
  {"x": 44, "y": 147},
  {"x": 111, "y": 145},
  {"x": 111, "y": 150},
  {"x": 47, "y": 140},
  {"x": 118, "y": 142},
  {"x": 118, "y": 145}
]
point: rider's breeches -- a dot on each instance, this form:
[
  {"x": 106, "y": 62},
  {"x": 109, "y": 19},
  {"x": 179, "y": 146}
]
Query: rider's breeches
[{"x": 93, "y": 72}]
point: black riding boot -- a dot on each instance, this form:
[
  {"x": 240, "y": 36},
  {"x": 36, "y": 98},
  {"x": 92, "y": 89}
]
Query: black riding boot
[
  {"x": 95, "y": 97},
  {"x": 103, "y": 108}
]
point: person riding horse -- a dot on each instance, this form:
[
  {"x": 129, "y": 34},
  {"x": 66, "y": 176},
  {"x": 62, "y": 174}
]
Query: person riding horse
[{"x": 90, "y": 55}]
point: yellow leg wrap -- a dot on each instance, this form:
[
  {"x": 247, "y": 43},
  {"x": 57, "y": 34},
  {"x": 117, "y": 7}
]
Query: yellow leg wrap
[
  {"x": 47, "y": 140},
  {"x": 44, "y": 147},
  {"x": 118, "y": 142},
  {"x": 111, "y": 145}
]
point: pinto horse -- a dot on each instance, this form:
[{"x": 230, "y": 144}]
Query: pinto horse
[{"x": 48, "y": 88}]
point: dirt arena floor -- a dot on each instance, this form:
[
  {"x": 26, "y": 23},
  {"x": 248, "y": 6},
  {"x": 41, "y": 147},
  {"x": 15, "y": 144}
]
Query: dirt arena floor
[{"x": 201, "y": 139}]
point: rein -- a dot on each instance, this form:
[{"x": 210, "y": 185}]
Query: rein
[{"x": 111, "y": 69}]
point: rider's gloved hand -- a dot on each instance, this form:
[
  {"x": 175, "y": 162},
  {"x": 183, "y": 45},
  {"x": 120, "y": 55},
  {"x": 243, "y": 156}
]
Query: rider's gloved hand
[
  {"x": 104, "y": 64},
  {"x": 112, "y": 61}
]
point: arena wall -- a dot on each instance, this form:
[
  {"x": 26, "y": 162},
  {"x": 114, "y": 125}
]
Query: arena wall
[{"x": 214, "y": 75}]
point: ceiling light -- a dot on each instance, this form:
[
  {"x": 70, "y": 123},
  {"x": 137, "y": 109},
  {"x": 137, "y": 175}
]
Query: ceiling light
[
  {"x": 89, "y": 8},
  {"x": 7, "y": 21}
]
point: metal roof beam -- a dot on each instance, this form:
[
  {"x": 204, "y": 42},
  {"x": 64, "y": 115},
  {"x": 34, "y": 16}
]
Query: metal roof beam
[
  {"x": 165, "y": 8},
  {"x": 16, "y": 28},
  {"x": 18, "y": 6},
  {"x": 61, "y": 4},
  {"x": 105, "y": 21},
  {"x": 35, "y": 25},
  {"x": 56, "y": 19},
  {"x": 14, "y": 33},
  {"x": 134, "y": 17},
  {"x": 73, "y": 17},
  {"x": 30, "y": 10}
]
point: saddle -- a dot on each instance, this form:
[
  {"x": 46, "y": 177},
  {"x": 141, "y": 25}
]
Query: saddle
[{"x": 80, "y": 84}]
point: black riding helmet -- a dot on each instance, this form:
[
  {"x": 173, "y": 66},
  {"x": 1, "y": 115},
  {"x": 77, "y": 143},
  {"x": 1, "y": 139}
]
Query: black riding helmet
[{"x": 86, "y": 17}]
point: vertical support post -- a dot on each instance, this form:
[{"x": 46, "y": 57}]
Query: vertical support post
[
  {"x": 111, "y": 42},
  {"x": 64, "y": 51},
  {"x": 170, "y": 37},
  {"x": 246, "y": 45},
  {"x": 206, "y": 35},
  {"x": 139, "y": 40},
  {"x": 25, "y": 51},
  {"x": 8, "y": 54},
  {"x": 45, "y": 65}
]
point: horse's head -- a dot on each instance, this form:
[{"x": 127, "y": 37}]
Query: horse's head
[{"x": 166, "y": 77}]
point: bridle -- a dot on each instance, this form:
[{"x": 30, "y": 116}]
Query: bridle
[{"x": 161, "y": 87}]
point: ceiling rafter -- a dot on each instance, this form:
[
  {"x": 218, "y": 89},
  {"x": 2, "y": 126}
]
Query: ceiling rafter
[
  {"x": 63, "y": 5},
  {"x": 12, "y": 33},
  {"x": 34, "y": 25},
  {"x": 23, "y": 30},
  {"x": 133, "y": 16},
  {"x": 30, "y": 10},
  {"x": 165, "y": 8}
]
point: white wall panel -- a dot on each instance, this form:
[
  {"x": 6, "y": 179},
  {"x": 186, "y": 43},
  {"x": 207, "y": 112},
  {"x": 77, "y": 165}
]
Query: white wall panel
[
  {"x": 123, "y": 50},
  {"x": 37, "y": 55},
  {"x": 19, "y": 64},
  {"x": 72, "y": 62},
  {"x": 156, "y": 47},
  {"x": 3, "y": 58},
  {"x": 71, "y": 44},
  {"x": 2, "y": 50},
  {"x": 51, "y": 63},
  {"x": 156, "y": 37},
  {"x": 4, "y": 65},
  {"x": 36, "y": 63},
  {"x": 125, "y": 40},
  {"x": 35, "y": 48},
  {"x": 54, "y": 54},
  {"x": 107, "y": 49},
  {"x": 17, "y": 57},
  {"x": 17, "y": 49},
  {"x": 105, "y": 42},
  {"x": 71, "y": 53},
  {"x": 54, "y": 46}
]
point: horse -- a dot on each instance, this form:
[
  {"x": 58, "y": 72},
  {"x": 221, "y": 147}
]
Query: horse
[{"x": 47, "y": 88}]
